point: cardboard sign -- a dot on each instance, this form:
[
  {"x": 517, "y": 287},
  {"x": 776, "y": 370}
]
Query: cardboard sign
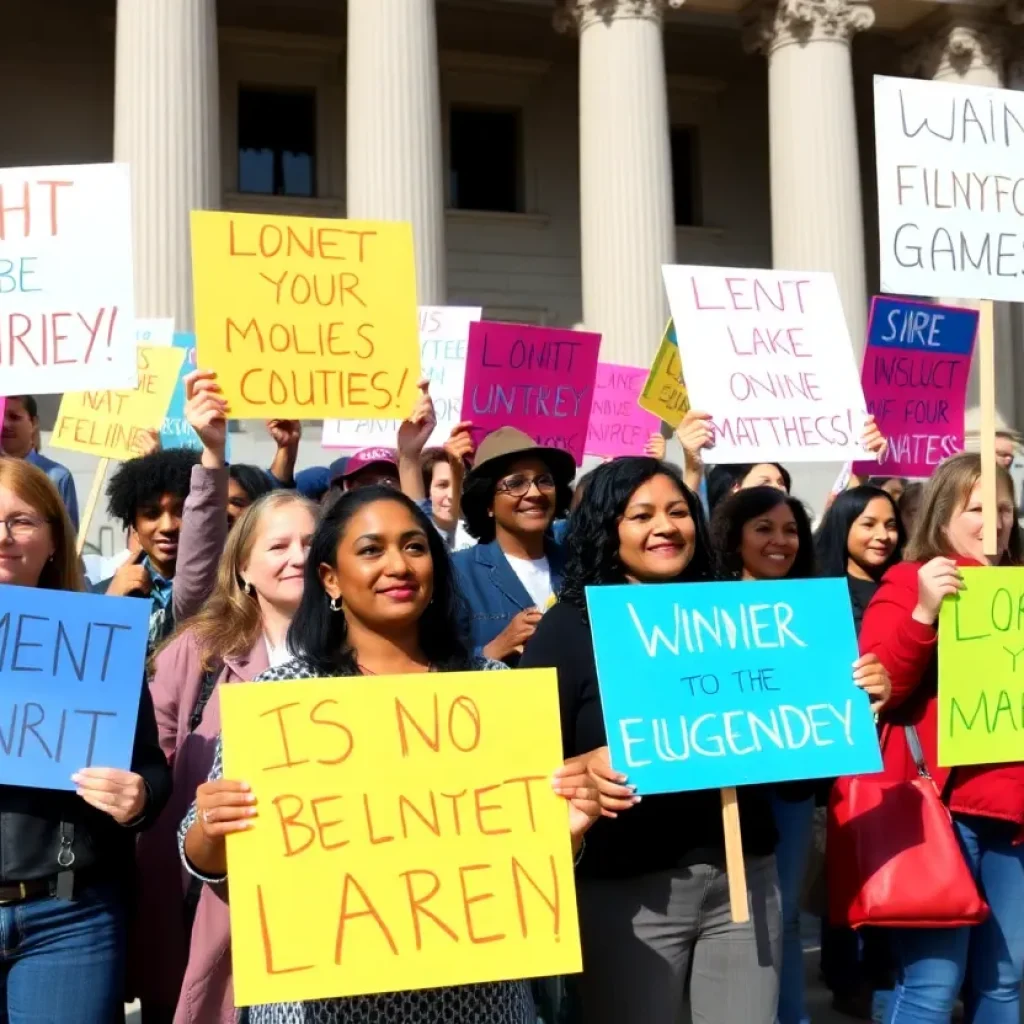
[
  {"x": 66, "y": 279},
  {"x": 743, "y": 683},
  {"x": 664, "y": 392},
  {"x": 176, "y": 431},
  {"x": 305, "y": 318},
  {"x": 107, "y": 423},
  {"x": 413, "y": 821},
  {"x": 444, "y": 337},
  {"x": 72, "y": 667},
  {"x": 768, "y": 354},
  {"x": 618, "y": 426},
  {"x": 949, "y": 195},
  {"x": 916, "y": 365},
  {"x": 981, "y": 657},
  {"x": 537, "y": 379},
  {"x": 154, "y": 332}
]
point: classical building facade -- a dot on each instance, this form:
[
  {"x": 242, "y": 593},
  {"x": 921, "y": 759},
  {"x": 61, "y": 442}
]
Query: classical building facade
[{"x": 550, "y": 154}]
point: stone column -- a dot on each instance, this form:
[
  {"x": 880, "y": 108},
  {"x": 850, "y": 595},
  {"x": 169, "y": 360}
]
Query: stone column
[
  {"x": 817, "y": 217},
  {"x": 627, "y": 224},
  {"x": 167, "y": 128},
  {"x": 393, "y": 148}
]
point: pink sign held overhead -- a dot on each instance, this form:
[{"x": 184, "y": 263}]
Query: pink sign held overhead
[
  {"x": 916, "y": 365},
  {"x": 618, "y": 426},
  {"x": 537, "y": 379}
]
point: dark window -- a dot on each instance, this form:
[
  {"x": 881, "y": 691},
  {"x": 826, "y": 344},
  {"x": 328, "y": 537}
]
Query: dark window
[
  {"x": 686, "y": 177},
  {"x": 484, "y": 159},
  {"x": 276, "y": 142}
]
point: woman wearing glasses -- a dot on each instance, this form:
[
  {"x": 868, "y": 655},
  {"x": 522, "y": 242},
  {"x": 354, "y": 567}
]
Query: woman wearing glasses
[{"x": 510, "y": 499}]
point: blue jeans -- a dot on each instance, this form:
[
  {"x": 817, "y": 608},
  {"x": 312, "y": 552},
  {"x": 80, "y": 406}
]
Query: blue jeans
[
  {"x": 933, "y": 963},
  {"x": 794, "y": 822},
  {"x": 63, "y": 960}
]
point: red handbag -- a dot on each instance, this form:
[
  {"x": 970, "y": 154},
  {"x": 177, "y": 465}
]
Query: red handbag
[{"x": 893, "y": 859}]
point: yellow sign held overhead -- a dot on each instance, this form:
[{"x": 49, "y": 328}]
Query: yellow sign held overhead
[
  {"x": 107, "y": 423},
  {"x": 411, "y": 821},
  {"x": 307, "y": 318},
  {"x": 665, "y": 394}
]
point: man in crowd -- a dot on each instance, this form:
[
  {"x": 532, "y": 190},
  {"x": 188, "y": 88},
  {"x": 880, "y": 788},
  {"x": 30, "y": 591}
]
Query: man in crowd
[{"x": 19, "y": 439}]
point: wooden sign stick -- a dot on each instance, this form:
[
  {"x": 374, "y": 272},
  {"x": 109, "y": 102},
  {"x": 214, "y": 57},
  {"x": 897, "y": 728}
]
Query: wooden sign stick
[
  {"x": 735, "y": 869},
  {"x": 90, "y": 506},
  {"x": 987, "y": 382}
]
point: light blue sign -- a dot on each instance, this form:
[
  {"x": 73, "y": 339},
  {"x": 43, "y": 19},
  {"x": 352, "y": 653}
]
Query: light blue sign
[
  {"x": 72, "y": 668},
  {"x": 706, "y": 685},
  {"x": 177, "y": 432}
]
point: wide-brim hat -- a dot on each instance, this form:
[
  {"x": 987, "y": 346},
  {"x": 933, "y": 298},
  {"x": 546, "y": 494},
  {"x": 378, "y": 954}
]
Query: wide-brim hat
[{"x": 506, "y": 444}]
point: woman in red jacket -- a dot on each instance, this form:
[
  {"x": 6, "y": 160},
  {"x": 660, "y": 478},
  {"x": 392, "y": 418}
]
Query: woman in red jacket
[{"x": 987, "y": 801}]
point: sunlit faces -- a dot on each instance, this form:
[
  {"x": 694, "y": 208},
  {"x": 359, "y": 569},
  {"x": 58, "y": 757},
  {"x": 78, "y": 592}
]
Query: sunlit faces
[
  {"x": 17, "y": 428},
  {"x": 524, "y": 499},
  {"x": 872, "y": 537},
  {"x": 965, "y": 529},
  {"x": 656, "y": 532},
  {"x": 276, "y": 565},
  {"x": 769, "y": 544},
  {"x": 441, "y": 492},
  {"x": 383, "y": 570},
  {"x": 1005, "y": 451},
  {"x": 238, "y": 501},
  {"x": 764, "y": 474},
  {"x": 158, "y": 526},
  {"x": 26, "y": 541}
]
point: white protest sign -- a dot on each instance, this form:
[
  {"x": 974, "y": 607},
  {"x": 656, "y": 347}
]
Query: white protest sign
[
  {"x": 444, "y": 336},
  {"x": 768, "y": 355},
  {"x": 67, "y": 319},
  {"x": 154, "y": 332},
  {"x": 950, "y": 189}
]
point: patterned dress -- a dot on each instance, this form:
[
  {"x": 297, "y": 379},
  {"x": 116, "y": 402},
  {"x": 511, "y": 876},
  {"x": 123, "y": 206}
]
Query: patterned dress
[{"x": 503, "y": 1002}]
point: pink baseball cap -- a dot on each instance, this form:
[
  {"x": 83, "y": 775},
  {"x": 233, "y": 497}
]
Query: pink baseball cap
[{"x": 361, "y": 460}]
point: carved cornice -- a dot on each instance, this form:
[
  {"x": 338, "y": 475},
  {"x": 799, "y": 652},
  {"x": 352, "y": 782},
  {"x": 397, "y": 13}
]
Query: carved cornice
[
  {"x": 956, "y": 48},
  {"x": 771, "y": 25},
  {"x": 575, "y": 15}
]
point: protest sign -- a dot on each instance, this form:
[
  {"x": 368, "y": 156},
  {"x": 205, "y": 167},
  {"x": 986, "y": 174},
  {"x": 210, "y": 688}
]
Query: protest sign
[
  {"x": 176, "y": 431},
  {"x": 950, "y": 211},
  {"x": 768, "y": 354},
  {"x": 108, "y": 423},
  {"x": 981, "y": 655},
  {"x": 618, "y": 426},
  {"x": 72, "y": 667},
  {"x": 154, "y": 332},
  {"x": 916, "y": 366},
  {"x": 744, "y": 683},
  {"x": 66, "y": 278},
  {"x": 413, "y": 821},
  {"x": 537, "y": 379},
  {"x": 444, "y": 336},
  {"x": 664, "y": 392},
  {"x": 306, "y": 318}
]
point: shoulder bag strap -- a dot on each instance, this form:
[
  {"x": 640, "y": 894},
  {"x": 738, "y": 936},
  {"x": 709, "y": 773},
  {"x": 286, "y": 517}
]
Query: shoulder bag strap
[{"x": 205, "y": 693}]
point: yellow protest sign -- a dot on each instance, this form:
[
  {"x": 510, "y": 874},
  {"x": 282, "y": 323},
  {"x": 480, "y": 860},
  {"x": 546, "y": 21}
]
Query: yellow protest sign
[
  {"x": 981, "y": 669},
  {"x": 306, "y": 318},
  {"x": 407, "y": 837},
  {"x": 664, "y": 394},
  {"x": 107, "y": 423}
]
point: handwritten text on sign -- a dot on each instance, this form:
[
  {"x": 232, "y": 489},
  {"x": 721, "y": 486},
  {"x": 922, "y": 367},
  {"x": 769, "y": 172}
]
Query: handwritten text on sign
[
  {"x": 108, "y": 423},
  {"x": 538, "y": 379},
  {"x": 72, "y": 667},
  {"x": 743, "y": 683},
  {"x": 768, "y": 354},
  {"x": 916, "y": 365},
  {"x": 618, "y": 426},
  {"x": 664, "y": 392},
  {"x": 981, "y": 668},
  {"x": 444, "y": 337},
  {"x": 950, "y": 188},
  {"x": 66, "y": 305},
  {"x": 304, "y": 318},
  {"x": 413, "y": 820}
]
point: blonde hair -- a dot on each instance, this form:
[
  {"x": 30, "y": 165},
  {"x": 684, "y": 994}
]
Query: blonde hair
[
  {"x": 946, "y": 494},
  {"x": 229, "y": 623},
  {"x": 64, "y": 570}
]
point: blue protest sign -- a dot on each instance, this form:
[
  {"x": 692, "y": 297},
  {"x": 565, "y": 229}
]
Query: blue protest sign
[
  {"x": 177, "y": 432},
  {"x": 707, "y": 685},
  {"x": 71, "y": 670}
]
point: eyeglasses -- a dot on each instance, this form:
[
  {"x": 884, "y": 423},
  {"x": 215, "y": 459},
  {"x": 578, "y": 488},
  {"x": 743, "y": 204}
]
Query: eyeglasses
[
  {"x": 518, "y": 486},
  {"x": 22, "y": 527}
]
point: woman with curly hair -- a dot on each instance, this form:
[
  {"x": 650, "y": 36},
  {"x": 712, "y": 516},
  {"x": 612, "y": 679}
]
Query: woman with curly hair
[{"x": 652, "y": 890}]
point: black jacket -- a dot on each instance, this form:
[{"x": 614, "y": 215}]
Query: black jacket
[{"x": 32, "y": 820}]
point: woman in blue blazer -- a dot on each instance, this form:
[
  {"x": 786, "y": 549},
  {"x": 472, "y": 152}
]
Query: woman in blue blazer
[{"x": 513, "y": 494}]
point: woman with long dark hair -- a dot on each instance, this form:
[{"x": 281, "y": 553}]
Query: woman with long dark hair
[{"x": 379, "y": 599}]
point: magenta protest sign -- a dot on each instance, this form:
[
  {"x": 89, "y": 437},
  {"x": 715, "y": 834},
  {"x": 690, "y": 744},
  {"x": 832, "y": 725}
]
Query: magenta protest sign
[
  {"x": 916, "y": 365},
  {"x": 618, "y": 426},
  {"x": 537, "y": 379}
]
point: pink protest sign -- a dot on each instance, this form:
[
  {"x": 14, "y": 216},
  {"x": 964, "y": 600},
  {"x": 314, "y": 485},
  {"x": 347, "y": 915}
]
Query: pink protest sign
[
  {"x": 3, "y": 412},
  {"x": 537, "y": 379},
  {"x": 618, "y": 426},
  {"x": 916, "y": 365}
]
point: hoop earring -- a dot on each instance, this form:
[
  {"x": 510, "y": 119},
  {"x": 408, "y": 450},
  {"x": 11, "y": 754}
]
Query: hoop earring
[{"x": 335, "y": 604}]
